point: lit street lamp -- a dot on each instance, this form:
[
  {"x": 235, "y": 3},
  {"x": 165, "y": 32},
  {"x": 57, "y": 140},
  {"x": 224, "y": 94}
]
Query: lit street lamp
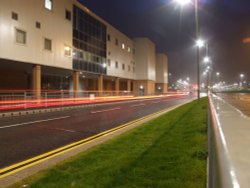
[
  {"x": 206, "y": 59},
  {"x": 183, "y": 2},
  {"x": 241, "y": 79},
  {"x": 199, "y": 43}
]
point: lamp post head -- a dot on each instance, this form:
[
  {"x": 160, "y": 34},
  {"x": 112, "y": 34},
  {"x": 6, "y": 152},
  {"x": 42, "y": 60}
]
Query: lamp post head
[
  {"x": 182, "y": 2},
  {"x": 200, "y": 43},
  {"x": 206, "y": 59}
]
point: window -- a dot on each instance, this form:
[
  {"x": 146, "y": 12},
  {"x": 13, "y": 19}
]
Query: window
[
  {"x": 129, "y": 68},
  {"x": 116, "y": 42},
  {"x": 129, "y": 50},
  {"x": 133, "y": 69},
  {"x": 109, "y": 53},
  {"x": 108, "y": 37},
  {"x": 134, "y": 51},
  {"x": 123, "y": 46},
  {"x": 67, "y": 15},
  {"x": 48, "y": 4},
  {"x": 67, "y": 51},
  {"x": 47, "y": 44},
  {"x": 20, "y": 36},
  {"x": 14, "y": 16},
  {"x": 109, "y": 62},
  {"x": 38, "y": 25},
  {"x": 123, "y": 66},
  {"x": 116, "y": 64}
]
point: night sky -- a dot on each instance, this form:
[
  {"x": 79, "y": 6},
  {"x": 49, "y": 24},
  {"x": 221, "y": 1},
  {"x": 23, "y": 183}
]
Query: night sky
[{"x": 223, "y": 23}]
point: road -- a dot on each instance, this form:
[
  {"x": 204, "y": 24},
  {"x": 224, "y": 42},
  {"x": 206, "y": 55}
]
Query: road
[
  {"x": 24, "y": 137},
  {"x": 240, "y": 101}
]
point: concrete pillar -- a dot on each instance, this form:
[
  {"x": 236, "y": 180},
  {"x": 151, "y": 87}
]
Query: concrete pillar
[
  {"x": 129, "y": 85},
  {"x": 76, "y": 83},
  {"x": 100, "y": 84},
  {"x": 36, "y": 81},
  {"x": 117, "y": 86}
]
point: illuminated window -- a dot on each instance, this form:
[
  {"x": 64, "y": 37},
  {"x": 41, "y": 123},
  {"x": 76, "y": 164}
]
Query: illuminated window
[
  {"x": 129, "y": 49},
  {"x": 67, "y": 51},
  {"x": 48, "y": 4},
  {"x": 123, "y": 46},
  {"x": 47, "y": 44},
  {"x": 20, "y": 36}
]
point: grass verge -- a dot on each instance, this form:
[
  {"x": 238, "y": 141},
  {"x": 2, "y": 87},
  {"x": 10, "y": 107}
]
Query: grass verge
[{"x": 169, "y": 151}]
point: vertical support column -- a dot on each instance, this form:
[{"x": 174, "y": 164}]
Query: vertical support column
[
  {"x": 36, "y": 81},
  {"x": 100, "y": 84},
  {"x": 76, "y": 83},
  {"x": 117, "y": 86},
  {"x": 129, "y": 85}
]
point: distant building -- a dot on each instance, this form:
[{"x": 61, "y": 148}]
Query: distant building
[{"x": 62, "y": 45}]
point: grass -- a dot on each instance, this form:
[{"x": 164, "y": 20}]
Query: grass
[{"x": 169, "y": 151}]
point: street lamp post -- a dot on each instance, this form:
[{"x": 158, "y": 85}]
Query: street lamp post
[
  {"x": 199, "y": 42},
  {"x": 198, "y": 48},
  {"x": 217, "y": 75},
  {"x": 241, "y": 79}
]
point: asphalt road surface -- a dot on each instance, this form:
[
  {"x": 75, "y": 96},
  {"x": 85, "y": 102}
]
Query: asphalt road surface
[
  {"x": 240, "y": 101},
  {"x": 24, "y": 137}
]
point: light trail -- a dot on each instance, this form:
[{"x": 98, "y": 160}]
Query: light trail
[
  {"x": 105, "y": 110},
  {"x": 44, "y": 103},
  {"x": 136, "y": 105}
]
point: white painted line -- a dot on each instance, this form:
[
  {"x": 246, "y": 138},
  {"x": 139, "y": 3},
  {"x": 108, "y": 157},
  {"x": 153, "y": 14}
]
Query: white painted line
[
  {"x": 106, "y": 110},
  {"x": 138, "y": 105},
  {"x": 155, "y": 102},
  {"x": 66, "y": 130},
  {"x": 40, "y": 121}
]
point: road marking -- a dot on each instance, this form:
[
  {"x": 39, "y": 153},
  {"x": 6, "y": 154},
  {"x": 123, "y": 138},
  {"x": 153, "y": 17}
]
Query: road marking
[
  {"x": 40, "y": 121},
  {"x": 155, "y": 102},
  {"x": 106, "y": 110},
  {"x": 66, "y": 130},
  {"x": 43, "y": 157},
  {"x": 137, "y": 105}
]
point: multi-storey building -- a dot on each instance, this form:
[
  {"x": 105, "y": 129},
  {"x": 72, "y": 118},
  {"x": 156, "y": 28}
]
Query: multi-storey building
[{"x": 61, "y": 44}]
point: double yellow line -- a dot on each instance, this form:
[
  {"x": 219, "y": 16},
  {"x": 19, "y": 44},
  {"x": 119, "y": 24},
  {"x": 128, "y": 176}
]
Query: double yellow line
[{"x": 43, "y": 157}]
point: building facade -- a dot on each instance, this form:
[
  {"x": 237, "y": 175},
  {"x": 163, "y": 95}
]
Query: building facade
[{"x": 62, "y": 45}]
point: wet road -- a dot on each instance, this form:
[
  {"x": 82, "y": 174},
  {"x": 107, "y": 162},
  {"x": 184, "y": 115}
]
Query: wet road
[
  {"x": 239, "y": 100},
  {"x": 28, "y": 136}
]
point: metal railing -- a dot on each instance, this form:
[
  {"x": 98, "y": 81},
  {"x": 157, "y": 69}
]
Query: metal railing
[
  {"x": 228, "y": 141},
  {"x": 11, "y": 100}
]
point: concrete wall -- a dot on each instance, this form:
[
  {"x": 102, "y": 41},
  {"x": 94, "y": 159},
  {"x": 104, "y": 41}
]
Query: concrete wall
[
  {"x": 116, "y": 53},
  {"x": 161, "y": 68},
  {"x": 54, "y": 26},
  {"x": 145, "y": 59},
  {"x": 144, "y": 87}
]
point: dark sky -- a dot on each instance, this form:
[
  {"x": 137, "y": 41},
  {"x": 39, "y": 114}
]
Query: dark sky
[{"x": 223, "y": 23}]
